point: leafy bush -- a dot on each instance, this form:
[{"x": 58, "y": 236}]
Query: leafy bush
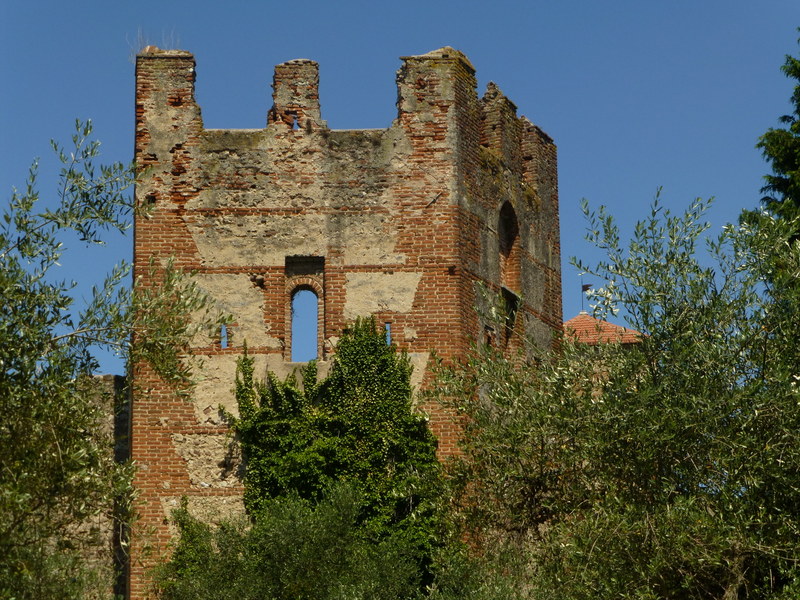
[
  {"x": 294, "y": 550},
  {"x": 357, "y": 425},
  {"x": 343, "y": 490},
  {"x": 665, "y": 470}
]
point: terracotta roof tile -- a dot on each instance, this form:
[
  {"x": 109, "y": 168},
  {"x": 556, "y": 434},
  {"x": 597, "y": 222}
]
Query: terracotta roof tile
[{"x": 585, "y": 328}]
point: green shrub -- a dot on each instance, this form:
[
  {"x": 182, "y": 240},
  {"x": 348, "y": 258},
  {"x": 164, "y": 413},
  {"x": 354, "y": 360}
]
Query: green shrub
[
  {"x": 357, "y": 425},
  {"x": 343, "y": 490},
  {"x": 294, "y": 549}
]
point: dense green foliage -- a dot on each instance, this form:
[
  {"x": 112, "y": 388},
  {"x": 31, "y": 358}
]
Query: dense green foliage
[
  {"x": 303, "y": 550},
  {"x": 781, "y": 148},
  {"x": 294, "y": 550},
  {"x": 356, "y": 425},
  {"x": 667, "y": 470},
  {"x": 59, "y": 484},
  {"x": 342, "y": 487}
]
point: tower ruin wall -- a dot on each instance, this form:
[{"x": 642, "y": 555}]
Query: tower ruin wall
[{"x": 404, "y": 223}]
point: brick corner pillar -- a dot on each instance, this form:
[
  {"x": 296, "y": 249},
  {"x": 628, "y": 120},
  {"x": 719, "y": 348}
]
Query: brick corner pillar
[{"x": 168, "y": 130}]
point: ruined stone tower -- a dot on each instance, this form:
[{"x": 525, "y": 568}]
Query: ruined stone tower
[{"x": 403, "y": 223}]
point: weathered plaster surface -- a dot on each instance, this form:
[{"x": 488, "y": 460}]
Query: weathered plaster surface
[
  {"x": 282, "y": 369},
  {"x": 368, "y": 293},
  {"x": 215, "y": 386},
  {"x": 235, "y": 295},
  {"x": 233, "y": 240},
  {"x": 212, "y": 460},
  {"x": 419, "y": 360},
  {"x": 209, "y": 509},
  {"x": 368, "y": 239}
]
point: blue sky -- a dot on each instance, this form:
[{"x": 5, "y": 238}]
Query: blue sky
[{"x": 636, "y": 93}]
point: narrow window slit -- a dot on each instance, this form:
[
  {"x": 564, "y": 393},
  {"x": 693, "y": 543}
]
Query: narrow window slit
[
  {"x": 304, "y": 325},
  {"x": 511, "y": 306}
]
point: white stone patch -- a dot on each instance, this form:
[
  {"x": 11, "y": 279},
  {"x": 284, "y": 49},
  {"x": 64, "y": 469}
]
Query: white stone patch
[
  {"x": 212, "y": 460},
  {"x": 247, "y": 240},
  {"x": 371, "y": 240},
  {"x": 235, "y": 294},
  {"x": 208, "y": 509},
  {"x": 215, "y": 387},
  {"x": 275, "y": 364},
  {"x": 419, "y": 360},
  {"x": 368, "y": 293}
]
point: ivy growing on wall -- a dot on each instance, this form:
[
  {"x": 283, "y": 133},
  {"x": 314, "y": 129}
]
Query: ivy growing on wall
[
  {"x": 343, "y": 490},
  {"x": 356, "y": 425}
]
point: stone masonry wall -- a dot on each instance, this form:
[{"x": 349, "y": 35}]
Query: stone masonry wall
[{"x": 403, "y": 223}]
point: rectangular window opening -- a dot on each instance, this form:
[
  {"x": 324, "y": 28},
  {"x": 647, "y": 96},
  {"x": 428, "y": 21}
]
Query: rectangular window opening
[
  {"x": 511, "y": 305},
  {"x": 304, "y": 265}
]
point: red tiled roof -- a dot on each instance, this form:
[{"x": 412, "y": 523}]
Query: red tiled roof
[{"x": 588, "y": 330}]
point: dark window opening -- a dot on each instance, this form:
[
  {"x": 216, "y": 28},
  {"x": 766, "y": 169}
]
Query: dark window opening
[
  {"x": 511, "y": 306},
  {"x": 305, "y": 313},
  {"x": 304, "y": 265},
  {"x": 508, "y": 229},
  {"x": 488, "y": 336}
]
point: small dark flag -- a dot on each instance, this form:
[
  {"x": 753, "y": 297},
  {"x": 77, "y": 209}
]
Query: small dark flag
[{"x": 585, "y": 287}]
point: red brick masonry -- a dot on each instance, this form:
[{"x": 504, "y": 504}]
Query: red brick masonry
[{"x": 407, "y": 223}]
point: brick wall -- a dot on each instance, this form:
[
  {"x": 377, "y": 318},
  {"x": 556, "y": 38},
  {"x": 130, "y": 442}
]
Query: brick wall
[{"x": 401, "y": 222}]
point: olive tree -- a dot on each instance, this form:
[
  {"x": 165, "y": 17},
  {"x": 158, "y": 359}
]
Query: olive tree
[
  {"x": 58, "y": 474},
  {"x": 669, "y": 469}
]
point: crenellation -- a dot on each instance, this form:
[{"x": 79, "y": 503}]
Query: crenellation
[
  {"x": 296, "y": 97},
  {"x": 501, "y": 128}
]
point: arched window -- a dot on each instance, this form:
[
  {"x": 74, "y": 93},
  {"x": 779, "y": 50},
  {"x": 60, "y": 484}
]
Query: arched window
[
  {"x": 510, "y": 248},
  {"x": 305, "y": 311}
]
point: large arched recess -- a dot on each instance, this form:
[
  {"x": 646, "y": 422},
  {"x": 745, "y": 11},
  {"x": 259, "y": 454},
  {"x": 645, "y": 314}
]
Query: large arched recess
[{"x": 510, "y": 248}]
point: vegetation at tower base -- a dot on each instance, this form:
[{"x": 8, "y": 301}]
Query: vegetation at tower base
[
  {"x": 297, "y": 549},
  {"x": 342, "y": 487},
  {"x": 59, "y": 483},
  {"x": 781, "y": 148},
  {"x": 292, "y": 549},
  {"x": 669, "y": 469}
]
